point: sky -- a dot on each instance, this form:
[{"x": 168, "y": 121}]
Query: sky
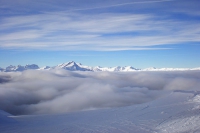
[{"x": 138, "y": 33}]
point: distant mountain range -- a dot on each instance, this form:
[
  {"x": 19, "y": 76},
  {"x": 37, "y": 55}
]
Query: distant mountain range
[{"x": 73, "y": 66}]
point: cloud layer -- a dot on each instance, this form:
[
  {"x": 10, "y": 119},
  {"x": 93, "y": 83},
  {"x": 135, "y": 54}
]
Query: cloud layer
[{"x": 60, "y": 91}]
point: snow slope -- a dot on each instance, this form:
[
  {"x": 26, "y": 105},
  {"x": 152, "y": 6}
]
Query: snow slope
[{"x": 176, "y": 112}]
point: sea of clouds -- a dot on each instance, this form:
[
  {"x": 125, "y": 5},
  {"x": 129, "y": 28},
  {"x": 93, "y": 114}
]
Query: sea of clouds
[{"x": 61, "y": 91}]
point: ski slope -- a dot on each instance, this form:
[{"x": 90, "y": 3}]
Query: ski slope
[{"x": 175, "y": 112}]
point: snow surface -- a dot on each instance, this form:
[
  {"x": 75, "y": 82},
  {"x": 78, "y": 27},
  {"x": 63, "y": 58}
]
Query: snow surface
[
  {"x": 176, "y": 112},
  {"x": 73, "y": 66}
]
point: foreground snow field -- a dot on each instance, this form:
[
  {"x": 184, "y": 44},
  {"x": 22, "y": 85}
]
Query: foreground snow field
[{"x": 178, "y": 111}]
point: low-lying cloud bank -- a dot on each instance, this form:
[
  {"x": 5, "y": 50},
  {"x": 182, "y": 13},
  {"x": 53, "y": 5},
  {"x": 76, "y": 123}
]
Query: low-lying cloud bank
[{"x": 60, "y": 91}]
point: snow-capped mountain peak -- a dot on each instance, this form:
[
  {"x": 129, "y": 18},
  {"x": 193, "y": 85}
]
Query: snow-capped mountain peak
[
  {"x": 1, "y": 69},
  {"x": 31, "y": 66},
  {"x": 74, "y": 66},
  {"x": 45, "y": 68},
  {"x": 12, "y": 68}
]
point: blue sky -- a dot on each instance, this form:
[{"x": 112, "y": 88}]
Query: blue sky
[{"x": 140, "y": 33}]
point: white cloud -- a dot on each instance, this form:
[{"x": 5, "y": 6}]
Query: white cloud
[
  {"x": 59, "y": 91},
  {"x": 72, "y": 31}
]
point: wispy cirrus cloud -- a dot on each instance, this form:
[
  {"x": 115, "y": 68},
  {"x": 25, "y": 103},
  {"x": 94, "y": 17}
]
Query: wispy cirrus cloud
[
  {"x": 106, "y": 31},
  {"x": 121, "y": 4}
]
